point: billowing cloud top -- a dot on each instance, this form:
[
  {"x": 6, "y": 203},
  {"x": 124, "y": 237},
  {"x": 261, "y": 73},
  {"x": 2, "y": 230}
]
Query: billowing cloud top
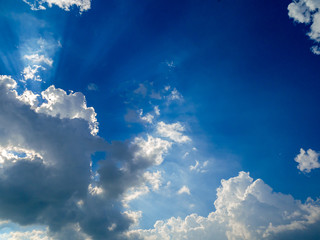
[{"x": 245, "y": 209}]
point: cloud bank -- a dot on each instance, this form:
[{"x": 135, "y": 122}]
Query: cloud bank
[{"x": 245, "y": 209}]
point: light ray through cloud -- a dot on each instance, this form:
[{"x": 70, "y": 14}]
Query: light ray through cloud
[{"x": 159, "y": 120}]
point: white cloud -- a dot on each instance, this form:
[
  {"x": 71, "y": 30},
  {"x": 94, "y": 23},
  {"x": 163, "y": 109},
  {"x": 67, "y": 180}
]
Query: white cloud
[
  {"x": 146, "y": 118},
  {"x": 30, "y": 98},
  {"x": 31, "y": 73},
  {"x": 29, "y": 235},
  {"x": 307, "y": 160},
  {"x": 174, "y": 95},
  {"x": 134, "y": 193},
  {"x": 307, "y": 12},
  {"x": 245, "y": 209},
  {"x": 72, "y": 105},
  {"x": 154, "y": 179},
  {"x": 172, "y": 131},
  {"x": 184, "y": 190},
  {"x": 151, "y": 182},
  {"x": 66, "y": 5},
  {"x": 315, "y": 49},
  {"x": 38, "y": 59},
  {"x": 151, "y": 149},
  {"x": 156, "y": 110}
]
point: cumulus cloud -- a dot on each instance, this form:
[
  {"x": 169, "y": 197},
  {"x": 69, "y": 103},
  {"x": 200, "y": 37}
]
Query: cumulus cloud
[
  {"x": 307, "y": 160},
  {"x": 32, "y": 72},
  {"x": 307, "y": 12},
  {"x": 32, "y": 235},
  {"x": 244, "y": 209},
  {"x": 45, "y": 167},
  {"x": 66, "y": 5},
  {"x": 72, "y": 105},
  {"x": 172, "y": 131},
  {"x": 184, "y": 190}
]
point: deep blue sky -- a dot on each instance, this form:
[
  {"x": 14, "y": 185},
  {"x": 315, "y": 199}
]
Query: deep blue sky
[{"x": 249, "y": 80}]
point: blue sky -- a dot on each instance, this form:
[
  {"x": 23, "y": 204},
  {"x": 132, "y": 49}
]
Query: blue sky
[{"x": 159, "y": 119}]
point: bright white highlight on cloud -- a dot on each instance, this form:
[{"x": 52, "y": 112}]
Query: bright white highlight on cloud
[
  {"x": 29, "y": 98},
  {"x": 66, "y": 5},
  {"x": 245, "y": 209},
  {"x": 31, "y": 73},
  {"x": 184, "y": 190},
  {"x": 307, "y": 12},
  {"x": 38, "y": 59},
  {"x": 307, "y": 160},
  {"x": 72, "y": 105},
  {"x": 29, "y": 235},
  {"x": 172, "y": 131},
  {"x": 152, "y": 149},
  {"x": 46, "y": 175}
]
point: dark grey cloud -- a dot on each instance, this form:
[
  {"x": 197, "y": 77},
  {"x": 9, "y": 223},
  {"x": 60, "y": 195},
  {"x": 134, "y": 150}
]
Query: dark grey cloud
[{"x": 51, "y": 187}]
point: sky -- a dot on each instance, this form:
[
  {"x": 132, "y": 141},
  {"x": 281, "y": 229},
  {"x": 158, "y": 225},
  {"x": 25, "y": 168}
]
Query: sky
[{"x": 159, "y": 120}]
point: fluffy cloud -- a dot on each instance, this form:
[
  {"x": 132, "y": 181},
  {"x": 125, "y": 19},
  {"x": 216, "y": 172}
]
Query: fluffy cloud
[
  {"x": 45, "y": 167},
  {"x": 29, "y": 235},
  {"x": 307, "y": 12},
  {"x": 32, "y": 73},
  {"x": 73, "y": 105},
  {"x": 307, "y": 160},
  {"x": 245, "y": 209},
  {"x": 172, "y": 131},
  {"x": 66, "y": 5},
  {"x": 184, "y": 190}
]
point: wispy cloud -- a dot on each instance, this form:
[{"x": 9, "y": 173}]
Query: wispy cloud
[{"x": 172, "y": 131}]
